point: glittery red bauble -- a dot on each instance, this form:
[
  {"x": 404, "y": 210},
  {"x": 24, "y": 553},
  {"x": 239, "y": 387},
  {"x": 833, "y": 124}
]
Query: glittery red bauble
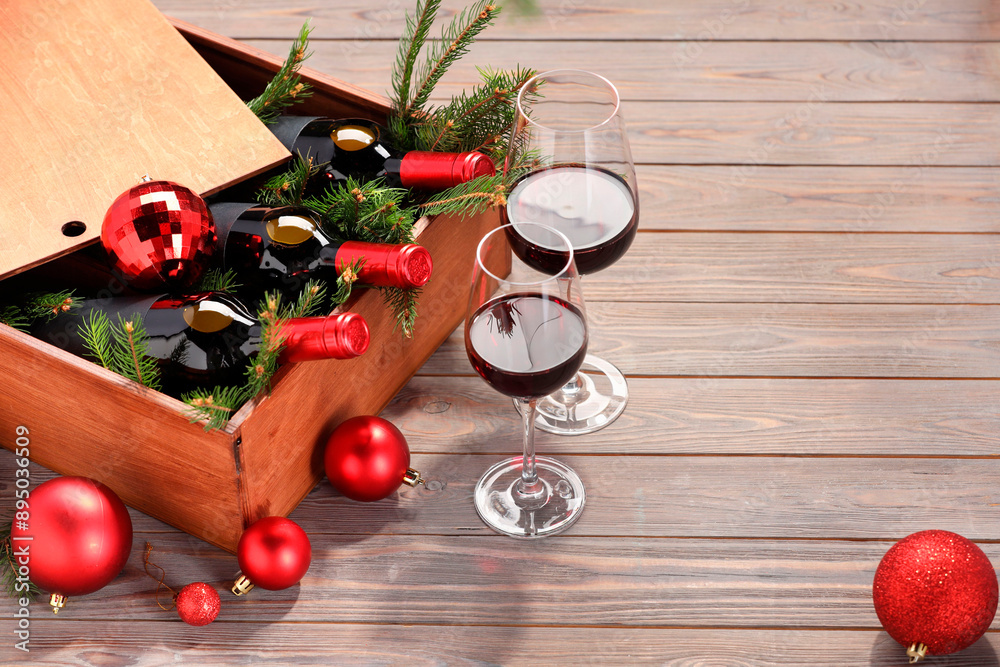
[
  {"x": 198, "y": 604},
  {"x": 159, "y": 236},
  {"x": 274, "y": 553},
  {"x": 935, "y": 588},
  {"x": 366, "y": 458},
  {"x": 78, "y": 535}
]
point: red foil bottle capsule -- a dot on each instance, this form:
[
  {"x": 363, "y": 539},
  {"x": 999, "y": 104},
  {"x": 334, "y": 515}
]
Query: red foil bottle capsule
[{"x": 284, "y": 247}]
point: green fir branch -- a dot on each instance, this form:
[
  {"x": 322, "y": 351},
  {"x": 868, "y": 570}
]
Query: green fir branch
[
  {"x": 217, "y": 280},
  {"x": 287, "y": 189},
  {"x": 8, "y": 566},
  {"x": 287, "y": 87},
  {"x": 95, "y": 330},
  {"x": 403, "y": 302},
  {"x": 469, "y": 198},
  {"x": 367, "y": 211},
  {"x": 410, "y": 44},
  {"x": 310, "y": 301},
  {"x": 12, "y": 316},
  {"x": 455, "y": 42},
  {"x": 344, "y": 283},
  {"x": 46, "y": 306},
  {"x": 215, "y": 406}
]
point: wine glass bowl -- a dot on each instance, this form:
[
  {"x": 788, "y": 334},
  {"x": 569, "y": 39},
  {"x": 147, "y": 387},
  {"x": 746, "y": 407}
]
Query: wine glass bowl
[
  {"x": 572, "y": 170},
  {"x": 527, "y": 337}
]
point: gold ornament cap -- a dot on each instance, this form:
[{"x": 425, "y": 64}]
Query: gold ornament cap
[
  {"x": 57, "y": 602},
  {"x": 242, "y": 585},
  {"x": 412, "y": 477},
  {"x": 916, "y": 652}
]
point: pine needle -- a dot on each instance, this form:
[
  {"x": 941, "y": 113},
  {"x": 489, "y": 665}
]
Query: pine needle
[
  {"x": 468, "y": 198},
  {"x": 287, "y": 189},
  {"x": 217, "y": 280},
  {"x": 12, "y": 316},
  {"x": 410, "y": 44},
  {"x": 215, "y": 406},
  {"x": 403, "y": 302},
  {"x": 287, "y": 87},
  {"x": 95, "y": 330}
]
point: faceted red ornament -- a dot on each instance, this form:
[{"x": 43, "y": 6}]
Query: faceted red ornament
[
  {"x": 78, "y": 535},
  {"x": 159, "y": 236},
  {"x": 198, "y": 604},
  {"x": 367, "y": 458},
  {"x": 935, "y": 588},
  {"x": 274, "y": 553}
]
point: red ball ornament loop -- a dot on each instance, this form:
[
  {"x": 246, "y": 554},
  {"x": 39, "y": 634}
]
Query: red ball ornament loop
[
  {"x": 274, "y": 553},
  {"x": 367, "y": 459},
  {"x": 935, "y": 592},
  {"x": 159, "y": 236}
]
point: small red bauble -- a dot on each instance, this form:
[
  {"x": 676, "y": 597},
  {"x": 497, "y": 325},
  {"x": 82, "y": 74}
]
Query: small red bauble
[
  {"x": 274, "y": 553},
  {"x": 367, "y": 459},
  {"x": 198, "y": 604},
  {"x": 78, "y": 535},
  {"x": 159, "y": 236},
  {"x": 935, "y": 588}
]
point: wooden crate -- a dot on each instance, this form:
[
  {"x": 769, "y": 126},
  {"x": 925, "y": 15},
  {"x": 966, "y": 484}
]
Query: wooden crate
[{"x": 84, "y": 420}]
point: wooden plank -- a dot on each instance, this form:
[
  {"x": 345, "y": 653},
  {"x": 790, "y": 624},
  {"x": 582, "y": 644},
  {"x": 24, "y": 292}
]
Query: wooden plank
[
  {"x": 782, "y": 339},
  {"x": 100, "y": 110},
  {"x": 739, "y": 71},
  {"x": 700, "y": 21},
  {"x": 723, "y": 416},
  {"x": 839, "y": 199},
  {"x": 813, "y": 133},
  {"x": 154, "y": 643},
  {"x": 699, "y": 496},
  {"x": 802, "y": 268},
  {"x": 572, "y": 581}
]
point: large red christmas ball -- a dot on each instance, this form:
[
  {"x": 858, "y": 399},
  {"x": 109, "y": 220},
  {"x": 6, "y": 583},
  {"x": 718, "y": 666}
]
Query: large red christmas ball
[
  {"x": 78, "y": 534},
  {"x": 159, "y": 236},
  {"x": 274, "y": 553},
  {"x": 366, "y": 458},
  {"x": 935, "y": 588},
  {"x": 198, "y": 604}
]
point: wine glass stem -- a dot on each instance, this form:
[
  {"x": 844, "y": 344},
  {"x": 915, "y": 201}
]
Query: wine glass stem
[{"x": 528, "y": 488}]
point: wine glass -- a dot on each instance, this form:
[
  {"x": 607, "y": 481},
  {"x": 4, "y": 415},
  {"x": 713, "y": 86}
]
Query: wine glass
[
  {"x": 526, "y": 335},
  {"x": 572, "y": 168}
]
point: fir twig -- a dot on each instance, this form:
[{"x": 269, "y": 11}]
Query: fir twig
[
  {"x": 215, "y": 406},
  {"x": 8, "y": 567},
  {"x": 455, "y": 42},
  {"x": 412, "y": 41},
  {"x": 287, "y": 87},
  {"x": 122, "y": 347},
  {"x": 403, "y": 302},
  {"x": 47, "y": 306},
  {"x": 12, "y": 316},
  {"x": 364, "y": 212},
  {"x": 468, "y": 198},
  {"x": 287, "y": 189},
  {"x": 217, "y": 280},
  {"x": 95, "y": 331}
]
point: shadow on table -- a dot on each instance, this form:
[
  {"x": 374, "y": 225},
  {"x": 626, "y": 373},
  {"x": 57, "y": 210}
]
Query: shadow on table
[{"x": 887, "y": 652}]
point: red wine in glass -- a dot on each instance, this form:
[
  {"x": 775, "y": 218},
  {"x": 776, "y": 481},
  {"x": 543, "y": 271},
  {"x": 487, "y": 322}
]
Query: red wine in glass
[
  {"x": 527, "y": 345},
  {"x": 592, "y": 206}
]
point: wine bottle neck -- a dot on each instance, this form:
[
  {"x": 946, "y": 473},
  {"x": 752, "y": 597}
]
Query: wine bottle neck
[{"x": 340, "y": 336}]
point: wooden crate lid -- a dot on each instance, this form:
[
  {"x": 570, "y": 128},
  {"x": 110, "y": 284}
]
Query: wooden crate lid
[{"x": 94, "y": 94}]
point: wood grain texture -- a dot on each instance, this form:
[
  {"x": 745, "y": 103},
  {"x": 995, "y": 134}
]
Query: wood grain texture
[
  {"x": 68, "y": 643},
  {"x": 723, "y": 416},
  {"x": 720, "y": 71},
  {"x": 848, "y": 199},
  {"x": 782, "y": 339},
  {"x": 803, "y": 268},
  {"x": 87, "y": 109},
  {"x": 702, "y": 22}
]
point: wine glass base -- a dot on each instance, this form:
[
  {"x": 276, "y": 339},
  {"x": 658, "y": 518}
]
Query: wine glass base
[
  {"x": 600, "y": 399},
  {"x": 556, "y": 508}
]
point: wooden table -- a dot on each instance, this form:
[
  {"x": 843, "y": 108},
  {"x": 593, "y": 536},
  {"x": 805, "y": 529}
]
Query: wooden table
[{"x": 809, "y": 320}]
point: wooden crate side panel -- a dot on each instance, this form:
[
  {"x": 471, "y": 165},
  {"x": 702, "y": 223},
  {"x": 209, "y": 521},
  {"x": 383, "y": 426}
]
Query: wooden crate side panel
[
  {"x": 85, "y": 420},
  {"x": 284, "y": 436}
]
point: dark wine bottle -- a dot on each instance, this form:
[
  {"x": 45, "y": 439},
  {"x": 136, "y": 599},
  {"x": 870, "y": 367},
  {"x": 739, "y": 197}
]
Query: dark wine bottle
[
  {"x": 206, "y": 339},
  {"x": 357, "y": 147},
  {"x": 282, "y": 248}
]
